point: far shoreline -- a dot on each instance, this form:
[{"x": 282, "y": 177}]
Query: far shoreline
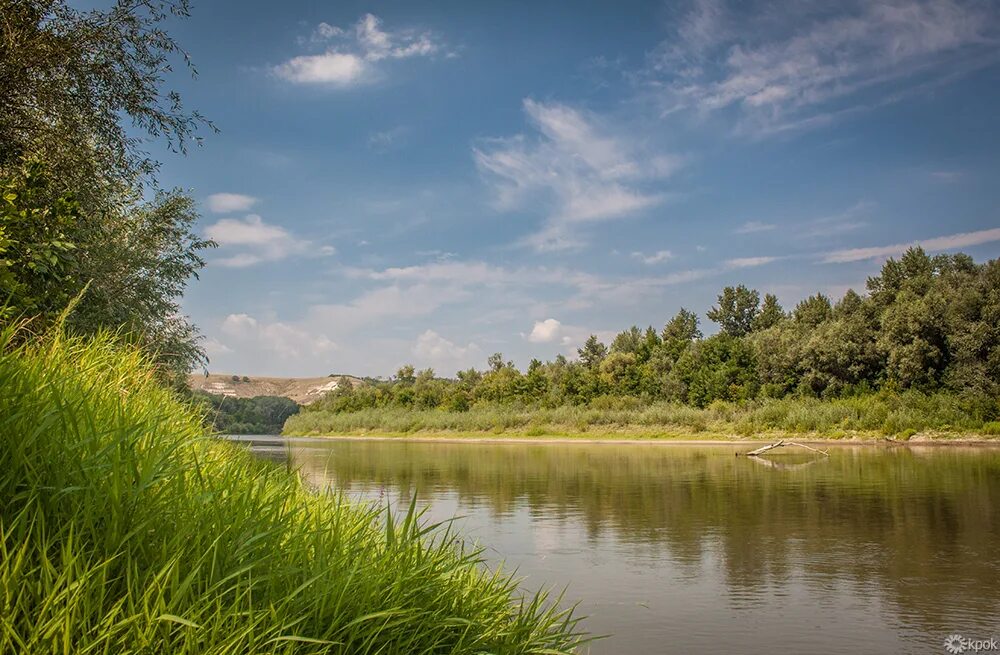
[{"x": 639, "y": 440}]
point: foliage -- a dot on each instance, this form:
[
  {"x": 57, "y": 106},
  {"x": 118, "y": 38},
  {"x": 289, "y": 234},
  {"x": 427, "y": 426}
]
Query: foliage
[
  {"x": 123, "y": 529},
  {"x": 882, "y": 413},
  {"x": 928, "y": 324},
  {"x": 81, "y": 89},
  {"x": 258, "y": 415},
  {"x": 39, "y": 263},
  {"x": 736, "y": 311},
  {"x": 69, "y": 76}
]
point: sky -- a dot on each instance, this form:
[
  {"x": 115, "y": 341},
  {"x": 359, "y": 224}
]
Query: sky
[{"x": 430, "y": 183}]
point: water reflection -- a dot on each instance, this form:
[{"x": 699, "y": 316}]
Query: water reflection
[{"x": 690, "y": 549}]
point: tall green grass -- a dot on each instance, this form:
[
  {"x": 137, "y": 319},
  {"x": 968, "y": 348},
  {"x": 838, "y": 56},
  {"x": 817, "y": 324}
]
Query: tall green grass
[
  {"x": 123, "y": 529},
  {"x": 874, "y": 414}
]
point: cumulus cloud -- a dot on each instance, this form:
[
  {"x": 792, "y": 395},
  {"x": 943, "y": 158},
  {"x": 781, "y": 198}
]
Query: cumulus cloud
[
  {"x": 950, "y": 242},
  {"x": 576, "y": 168},
  {"x": 352, "y": 55},
  {"x": 545, "y": 331},
  {"x": 797, "y": 65},
  {"x": 223, "y": 203},
  {"x": 280, "y": 338},
  {"x": 251, "y": 240}
]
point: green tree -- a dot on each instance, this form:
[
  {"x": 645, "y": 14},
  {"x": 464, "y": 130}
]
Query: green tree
[
  {"x": 679, "y": 333},
  {"x": 592, "y": 353},
  {"x": 631, "y": 340},
  {"x": 813, "y": 310},
  {"x": 770, "y": 313},
  {"x": 736, "y": 310},
  {"x": 70, "y": 76},
  {"x": 81, "y": 89},
  {"x": 138, "y": 264},
  {"x": 406, "y": 374}
]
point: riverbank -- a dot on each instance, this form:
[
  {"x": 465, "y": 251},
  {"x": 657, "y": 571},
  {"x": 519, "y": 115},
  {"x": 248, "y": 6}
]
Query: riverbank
[
  {"x": 125, "y": 528},
  {"x": 626, "y": 438},
  {"x": 901, "y": 417}
]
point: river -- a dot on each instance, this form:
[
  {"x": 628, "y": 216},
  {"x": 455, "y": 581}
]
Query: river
[{"x": 688, "y": 549}]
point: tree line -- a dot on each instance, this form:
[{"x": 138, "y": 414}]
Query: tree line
[
  {"x": 257, "y": 415},
  {"x": 88, "y": 238},
  {"x": 926, "y": 323}
]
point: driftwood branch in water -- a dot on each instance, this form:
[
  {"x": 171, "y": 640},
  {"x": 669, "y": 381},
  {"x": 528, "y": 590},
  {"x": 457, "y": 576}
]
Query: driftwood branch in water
[{"x": 782, "y": 442}]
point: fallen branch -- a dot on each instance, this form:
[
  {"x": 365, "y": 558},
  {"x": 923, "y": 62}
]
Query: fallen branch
[{"x": 779, "y": 444}]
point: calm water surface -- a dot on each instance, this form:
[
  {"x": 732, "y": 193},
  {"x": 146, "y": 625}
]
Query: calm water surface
[{"x": 679, "y": 549}]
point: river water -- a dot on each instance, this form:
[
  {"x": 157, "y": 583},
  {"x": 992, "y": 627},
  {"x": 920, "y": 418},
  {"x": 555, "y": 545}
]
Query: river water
[{"x": 688, "y": 549}]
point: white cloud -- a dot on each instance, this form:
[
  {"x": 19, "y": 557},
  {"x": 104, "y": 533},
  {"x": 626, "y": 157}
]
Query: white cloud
[
  {"x": 432, "y": 348},
  {"x": 277, "y": 337},
  {"x": 950, "y": 242},
  {"x": 748, "y": 262},
  {"x": 333, "y": 68},
  {"x": 352, "y": 55},
  {"x": 575, "y": 168},
  {"x": 798, "y": 65},
  {"x": 221, "y": 203},
  {"x": 251, "y": 240},
  {"x": 657, "y": 257},
  {"x": 754, "y": 226},
  {"x": 545, "y": 331}
]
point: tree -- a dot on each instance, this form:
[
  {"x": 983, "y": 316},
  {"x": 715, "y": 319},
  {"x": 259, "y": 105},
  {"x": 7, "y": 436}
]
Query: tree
[
  {"x": 406, "y": 374},
  {"x": 495, "y": 362},
  {"x": 721, "y": 367},
  {"x": 813, "y": 310},
  {"x": 736, "y": 310},
  {"x": 69, "y": 76},
  {"x": 680, "y": 332},
  {"x": 138, "y": 264},
  {"x": 592, "y": 353},
  {"x": 80, "y": 91},
  {"x": 631, "y": 340},
  {"x": 770, "y": 313}
]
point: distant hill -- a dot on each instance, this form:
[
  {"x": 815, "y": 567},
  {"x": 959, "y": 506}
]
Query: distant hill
[{"x": 301, "y": 390}]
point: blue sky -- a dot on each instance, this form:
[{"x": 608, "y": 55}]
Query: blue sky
[{"x": 434, "y": 182}]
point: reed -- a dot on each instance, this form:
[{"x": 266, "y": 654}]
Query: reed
[
  {"x": 876, "y": 414},
  {"x": 124, "y": 528}
]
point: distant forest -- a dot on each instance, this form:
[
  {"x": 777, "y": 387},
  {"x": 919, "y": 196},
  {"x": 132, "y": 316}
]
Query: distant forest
[
  {"x": 927, "y": 324},
  {"x": 259, "y": 415}
]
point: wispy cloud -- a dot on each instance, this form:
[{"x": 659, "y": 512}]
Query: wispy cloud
[
  {"x": 354, "y": 55},
  {"x": 849, "y": 220},
  {"x": 384, "y": 140},
  {"x": 251, "y": 240},
  {"x": 748, "y": 262},
  {"x": 654, "y": 258},
  {"x": 797, "y": 65},
  {"x": 754, "y": 226},
  {"x": 576, "y": 168},
  {"x": 947, "y": 176},
  {"x": 950, "y": 242},
  {"x": 223, "y": 203}
]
